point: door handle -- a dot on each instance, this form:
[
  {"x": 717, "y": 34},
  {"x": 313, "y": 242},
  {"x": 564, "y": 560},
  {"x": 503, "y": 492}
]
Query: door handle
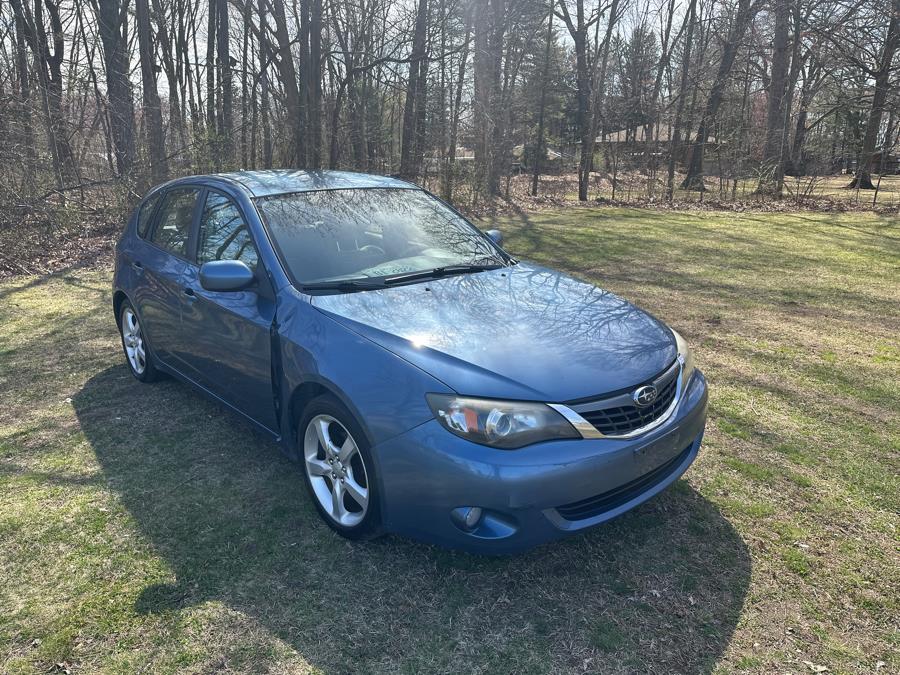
[
  {"x": 137, "y": 266},
  {"x": 189, "y": 292}
]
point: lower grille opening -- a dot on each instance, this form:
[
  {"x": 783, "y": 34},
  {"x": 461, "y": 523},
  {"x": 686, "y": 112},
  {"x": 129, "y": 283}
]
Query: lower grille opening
[{"x": 606, "y": 501}]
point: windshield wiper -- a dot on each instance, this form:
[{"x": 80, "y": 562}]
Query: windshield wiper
[
  {"x": 436, "y": 272},
  {"x": 343, "y": 285},
  {"x": 349, "y": 285}
]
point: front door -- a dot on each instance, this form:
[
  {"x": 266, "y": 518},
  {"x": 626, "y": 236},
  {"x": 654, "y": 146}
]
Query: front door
[{"x": 226, "y": 337}]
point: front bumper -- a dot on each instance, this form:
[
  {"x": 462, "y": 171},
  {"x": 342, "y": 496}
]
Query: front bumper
[{"x": 427, "y": 472}]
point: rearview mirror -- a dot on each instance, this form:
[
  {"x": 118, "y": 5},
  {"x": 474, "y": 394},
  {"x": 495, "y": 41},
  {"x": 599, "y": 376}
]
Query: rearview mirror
[
  {"x": 496, "y": 236},
  {"x": 225, "y": 275}
]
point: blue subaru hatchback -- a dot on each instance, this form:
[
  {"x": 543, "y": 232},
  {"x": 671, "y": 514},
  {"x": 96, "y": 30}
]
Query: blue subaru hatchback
[{"x": 427, "y": 382}]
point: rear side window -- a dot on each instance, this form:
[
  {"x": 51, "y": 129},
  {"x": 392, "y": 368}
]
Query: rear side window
[
  {"x": 144, "y": 214},
  {"x": 223, "y": 233},
  {"x": 173, "y": 224}
]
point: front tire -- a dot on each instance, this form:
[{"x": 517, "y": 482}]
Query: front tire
[
  {"x": 338, "y": 469},
  {"x": 134, "y": 344}
]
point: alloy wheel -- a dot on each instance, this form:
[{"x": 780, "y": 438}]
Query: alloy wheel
[
  {"x": 336, "y": 470},
  {"x": 133, "y": 340}
]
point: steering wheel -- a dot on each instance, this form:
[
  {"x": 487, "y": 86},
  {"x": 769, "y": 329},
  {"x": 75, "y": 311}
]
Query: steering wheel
[{"x": 372, "y": 248}]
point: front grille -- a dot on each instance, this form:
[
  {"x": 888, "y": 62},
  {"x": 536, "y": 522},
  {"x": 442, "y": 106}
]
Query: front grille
[
  {"x": 607, "y": 501},
  {"x": 625, "y": 417}
]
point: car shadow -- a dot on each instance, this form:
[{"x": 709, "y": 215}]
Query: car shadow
[{"x": 660, "y": 589}]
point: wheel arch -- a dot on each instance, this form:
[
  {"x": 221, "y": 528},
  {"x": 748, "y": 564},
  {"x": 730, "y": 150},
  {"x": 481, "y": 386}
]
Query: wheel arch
[
  {"x": 119, "y": 297},
  {"x": 304, "y": 392}
]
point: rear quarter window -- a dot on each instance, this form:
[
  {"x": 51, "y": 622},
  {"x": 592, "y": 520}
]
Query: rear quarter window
[
  {"x": 145, "y": 213},
  {"x": 173, "y": 224}
]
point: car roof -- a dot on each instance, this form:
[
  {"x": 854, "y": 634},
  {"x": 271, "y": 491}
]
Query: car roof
[{"x": 280, "y": 181}]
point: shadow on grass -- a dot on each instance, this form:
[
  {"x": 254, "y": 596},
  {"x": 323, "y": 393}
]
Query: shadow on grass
[{"x": 660, "y": 589}]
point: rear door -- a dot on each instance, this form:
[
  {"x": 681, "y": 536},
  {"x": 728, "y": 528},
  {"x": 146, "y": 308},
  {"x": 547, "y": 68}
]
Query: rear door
[
  {"x": 226, "y": 337},
  {"x": 159, "y": 262}
]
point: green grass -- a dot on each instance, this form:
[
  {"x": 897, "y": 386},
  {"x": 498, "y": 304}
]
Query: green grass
[{"x": 144, "y": 529}]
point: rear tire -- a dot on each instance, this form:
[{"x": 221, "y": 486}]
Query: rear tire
[
  {"x": 138, "y": 355},
  {"x": 338, "y": 469}
]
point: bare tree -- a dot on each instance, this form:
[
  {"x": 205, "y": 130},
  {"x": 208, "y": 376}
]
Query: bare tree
[
  {"x": 579, "y": 30},
  {"x": 112, "y": 17},
  {"x": 48, "y": 63},
  {"x": 772, "y": 176},
  {"x": 675, "y": 142},
  {"x": 465, "y": 94},
  {"x": 540, "y": 151},
  {"x": 881, "y": 75},
  {"x": 489, "y": 29},
  {"x": 415, "y": 97},
  {"x": 745, "y": 11},
  {"x": 156, "y": 140}
]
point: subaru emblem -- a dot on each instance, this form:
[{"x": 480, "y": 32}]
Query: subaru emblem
[{"x": 644, "y": 396}]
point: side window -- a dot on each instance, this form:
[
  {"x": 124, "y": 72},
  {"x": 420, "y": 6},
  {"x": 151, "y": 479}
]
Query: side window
[
  {"x": 173, "y": 225},
  {"x": 223, "y": 233},
  {"x": 146, "y": 210}
]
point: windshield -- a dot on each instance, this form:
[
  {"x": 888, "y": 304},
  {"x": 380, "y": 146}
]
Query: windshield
[{"x": 341, "y": 235}]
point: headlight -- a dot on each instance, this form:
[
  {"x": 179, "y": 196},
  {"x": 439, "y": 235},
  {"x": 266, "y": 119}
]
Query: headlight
[
  {"x": 685, "y": 356},
  {"x": 500, "y": 424}
]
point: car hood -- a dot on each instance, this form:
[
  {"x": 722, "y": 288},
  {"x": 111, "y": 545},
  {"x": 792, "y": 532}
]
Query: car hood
[{"x": 523, "y": 332}]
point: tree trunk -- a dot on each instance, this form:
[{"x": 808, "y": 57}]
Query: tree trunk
[
  {"x": 746, "y": 10},
  {"x": 113, "y": 26},
  {"x": 296, "y": 153},
  {"x": 301, "y": 48},
  {"x": 314, "y": 88},
  {"x": 583, "y": 115},
  {"x": 675, "y": 140},
  {"x": 225, "y": 110},
  {"x": 211, "y": 25},
  {"x": 156, "y": 142},
  {"x": 772, "y": 177},
  {"x": 488, "y": 35},
  {"x": 421, "y": 109},
  {"x": 599, "y": 86},
  {"x": 442, "y": 99},
  {"x": 176, "y": 118},
  {"x": 24, "y": 85},
  {"x": 48, "y": 64},
  {"x": 409, "y": 161},
  {"x": 246, "y": 127},
  {"x": 457, "y": 103},
  {"x": 539, "y": 151},
  {"x": 578, "y": 30},
  {"x": 797, "y": 162},
  {"x": 863, "y": 179},
  {"x": 264, "y": 89}
]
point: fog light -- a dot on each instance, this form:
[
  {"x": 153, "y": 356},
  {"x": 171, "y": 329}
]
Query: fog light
[{"x": 466, "y": 517}]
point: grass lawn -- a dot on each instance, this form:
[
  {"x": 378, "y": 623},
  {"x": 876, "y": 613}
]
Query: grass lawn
[{"x": 143, "y": 529}]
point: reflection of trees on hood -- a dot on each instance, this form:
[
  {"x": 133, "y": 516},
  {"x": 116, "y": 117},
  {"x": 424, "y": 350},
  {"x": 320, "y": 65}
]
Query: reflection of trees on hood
[{"x": 526, "y": 308}]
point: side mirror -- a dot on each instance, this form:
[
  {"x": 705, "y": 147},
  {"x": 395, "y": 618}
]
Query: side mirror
[
  {"x": 496, "y": 236},
  {"x": 226, "y": 275}
]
